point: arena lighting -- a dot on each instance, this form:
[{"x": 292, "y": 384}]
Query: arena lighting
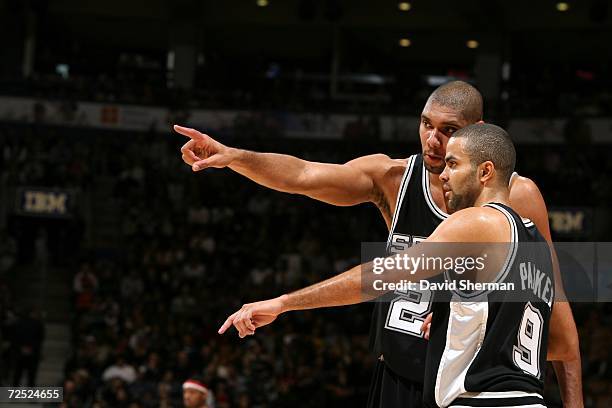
[
  {"x": 437, "y": 80},
  {"x": 63, "y": 70},
  {"x": 262, "y": 3},
  {"x": 562, "y": 6},
  {"x": 404, "y": 6},
  {"x": 404, "y": 42},
  {"x": 506, "y": 70},
  {"x": 472, "y": 44}
]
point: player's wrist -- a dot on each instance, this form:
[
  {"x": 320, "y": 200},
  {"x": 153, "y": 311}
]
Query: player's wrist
[
  {"x": 284, "y": 302},
  {"x": 237, "y": 156}
]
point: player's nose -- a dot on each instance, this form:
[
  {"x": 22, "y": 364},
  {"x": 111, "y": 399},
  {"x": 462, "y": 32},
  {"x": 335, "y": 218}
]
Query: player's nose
[
  {"x": 443, "y": 176},
  {"x": 432, "y": 140}
]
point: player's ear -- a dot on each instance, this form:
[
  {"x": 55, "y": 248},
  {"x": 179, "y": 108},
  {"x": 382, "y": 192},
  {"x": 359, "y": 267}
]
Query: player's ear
[{"x": 486, "y": 171}]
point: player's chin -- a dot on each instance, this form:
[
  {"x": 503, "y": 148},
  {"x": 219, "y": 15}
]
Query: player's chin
[
  {"x": 455, "y": 205},
  {"x": 435, "y": 167}
]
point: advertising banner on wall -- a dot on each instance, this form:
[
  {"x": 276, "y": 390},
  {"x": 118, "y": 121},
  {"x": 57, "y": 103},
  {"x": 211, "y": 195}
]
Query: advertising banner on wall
[{"x": 45, "y": 202}]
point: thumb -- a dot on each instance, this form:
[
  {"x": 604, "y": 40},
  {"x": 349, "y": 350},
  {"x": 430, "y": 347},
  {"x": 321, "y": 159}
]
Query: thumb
[{"x": 212, "y": 161}]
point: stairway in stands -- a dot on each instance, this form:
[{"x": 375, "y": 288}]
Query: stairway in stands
[{"x": 49, "y": 289}]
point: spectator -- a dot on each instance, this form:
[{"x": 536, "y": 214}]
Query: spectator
[
  {"x": 196, "y": 394},
  {"x": 120, "y": 370}
]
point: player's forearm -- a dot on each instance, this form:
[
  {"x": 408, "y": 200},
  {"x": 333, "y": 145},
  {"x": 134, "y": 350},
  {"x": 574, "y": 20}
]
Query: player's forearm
[
  {"x": 341, "y": 290},
  {"x": 356, "y": 285},
  {"x": 563, "y": 343},
  {"x": 564, "y": 352},
  {"x": 368, "y": 281},
  {"x": 276, "y": 171},
  {"x": 569, "y": 376}
]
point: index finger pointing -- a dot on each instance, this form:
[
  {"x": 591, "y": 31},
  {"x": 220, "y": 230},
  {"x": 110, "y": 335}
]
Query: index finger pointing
[
  {"x": 189, "y": 132},
  {"x": 228, "y": 323}
]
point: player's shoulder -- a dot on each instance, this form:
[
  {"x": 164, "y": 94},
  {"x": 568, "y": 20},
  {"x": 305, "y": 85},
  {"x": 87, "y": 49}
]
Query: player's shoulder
[
  {"x": 475, "y": 224},
  {"x": 379, "y": 158},
  {"x": 378, "y": 163},
  {"x": 523, "y": 187},
  {"x": 477, "y": 216}
]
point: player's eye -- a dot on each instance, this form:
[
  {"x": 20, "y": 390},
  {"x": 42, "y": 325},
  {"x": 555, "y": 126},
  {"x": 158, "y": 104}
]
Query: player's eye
[
  {"x": 427, "y": 124},
  {"x": 450, "y": 131}
]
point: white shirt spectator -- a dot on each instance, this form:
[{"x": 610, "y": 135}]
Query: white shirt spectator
[{"x": 120, "y": 370}]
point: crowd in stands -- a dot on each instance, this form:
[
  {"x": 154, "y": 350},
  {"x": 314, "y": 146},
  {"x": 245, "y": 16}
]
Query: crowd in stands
[
  {"x": 551, "y": 90},
  {"x": 193, "y": 247}
]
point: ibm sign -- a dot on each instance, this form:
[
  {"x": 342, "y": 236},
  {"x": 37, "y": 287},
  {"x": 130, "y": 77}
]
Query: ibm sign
[
  {"x": 571, "y": 222},
  {"x": 45, "y": 202}
]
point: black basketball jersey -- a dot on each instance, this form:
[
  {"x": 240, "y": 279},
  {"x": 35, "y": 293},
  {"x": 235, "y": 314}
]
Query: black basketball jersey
[
  {"x": 489, "y": 346},
  {"x": 395, "y": 331}
]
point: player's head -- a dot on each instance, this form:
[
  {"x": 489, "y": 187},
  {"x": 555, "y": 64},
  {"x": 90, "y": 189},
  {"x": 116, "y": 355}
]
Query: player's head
[
  {"x": 194, "y": 393},
  {"x": 478, "y": 156},
  {"x": 449, "y": 108}
]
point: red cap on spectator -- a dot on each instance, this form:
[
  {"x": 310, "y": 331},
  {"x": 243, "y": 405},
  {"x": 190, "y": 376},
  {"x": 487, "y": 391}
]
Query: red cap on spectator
[{"x": 195, "y": 385}]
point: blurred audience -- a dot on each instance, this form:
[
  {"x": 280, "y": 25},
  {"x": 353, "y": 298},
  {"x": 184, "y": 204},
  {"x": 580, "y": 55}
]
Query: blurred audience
[{"x": 222, "y": 83}]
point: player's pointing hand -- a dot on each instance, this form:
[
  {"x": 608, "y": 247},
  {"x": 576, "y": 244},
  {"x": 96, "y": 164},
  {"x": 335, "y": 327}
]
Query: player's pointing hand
[
  {"x": 252, "y": 316},
  {"x": 202, "y": 151}
]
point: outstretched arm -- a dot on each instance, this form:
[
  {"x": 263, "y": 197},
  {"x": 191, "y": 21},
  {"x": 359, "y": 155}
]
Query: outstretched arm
[
  {"x": 355, "y": 285},
  {"x": 341, "y": 290},
  {"x": 352, "y": 183}
]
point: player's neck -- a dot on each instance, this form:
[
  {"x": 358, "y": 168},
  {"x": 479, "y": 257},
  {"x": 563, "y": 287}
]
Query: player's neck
[
  {"x": 437, "y": 194},
  {"x": 493, "y": 195},
  {"x": 434, "y": 180}
]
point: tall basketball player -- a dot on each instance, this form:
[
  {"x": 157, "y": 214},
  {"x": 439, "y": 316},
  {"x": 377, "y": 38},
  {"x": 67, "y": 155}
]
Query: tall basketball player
[
  {"x": 409, "y": 195},
  {"x": 487, "y": 350}
]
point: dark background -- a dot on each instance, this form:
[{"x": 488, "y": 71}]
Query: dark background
[{"x": 135, "y": 273}]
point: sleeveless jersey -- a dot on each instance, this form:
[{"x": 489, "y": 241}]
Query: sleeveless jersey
[
  {"x": 395, "y": 331},
  {"x": 490, "y": 347}
]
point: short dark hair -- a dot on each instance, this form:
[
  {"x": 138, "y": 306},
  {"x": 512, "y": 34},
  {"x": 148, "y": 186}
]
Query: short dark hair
[
  {"x": 460, "y": 96},
  {"x": 484, "y": 142}
]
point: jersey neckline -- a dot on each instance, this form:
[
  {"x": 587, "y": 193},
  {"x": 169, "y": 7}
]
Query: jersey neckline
[{"x": 428, "y": 197}]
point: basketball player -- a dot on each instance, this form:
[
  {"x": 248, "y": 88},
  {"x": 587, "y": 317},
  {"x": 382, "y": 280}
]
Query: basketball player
[
  {"x": 486, "y": 350},
  {"x": 409, "y": 195}
]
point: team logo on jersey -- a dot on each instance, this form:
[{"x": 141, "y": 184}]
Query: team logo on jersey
[
  {"x": 408, "y": 310},
  {"x": 401, "y": 242}
]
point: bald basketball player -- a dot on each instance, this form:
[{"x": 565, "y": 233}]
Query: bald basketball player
[
  {"x": 409, "y": 196},
  {"x": 488, "y": 345}
]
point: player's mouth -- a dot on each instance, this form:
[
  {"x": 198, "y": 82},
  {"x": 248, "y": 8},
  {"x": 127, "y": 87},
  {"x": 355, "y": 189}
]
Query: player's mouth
[
  {"x": 447, "y": 191},
  {"x": 434, "y": 157}
]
